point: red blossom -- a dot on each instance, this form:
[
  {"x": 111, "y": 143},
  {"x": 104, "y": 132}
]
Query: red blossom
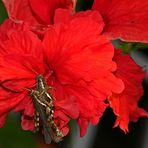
[
  {"x": 37, "y": 13},
  {"x": 45, "y": 9},
  {"x": 21, "y": 61},
  {"x": 125, "y": 105},
  {"x": 124, "y": 19},
  {"x": 18, "y": 50},
  {"x": 82, "y": 60},
  {"x": 73, "y": 57}
]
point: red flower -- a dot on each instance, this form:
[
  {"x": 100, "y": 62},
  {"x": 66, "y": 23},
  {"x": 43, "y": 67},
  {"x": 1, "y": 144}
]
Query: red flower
[
  {"x": 83, "y": 62},
  {"x": 124, "y": 19},
  {"x": 125, "y": 105},
  {"x": 75, "y": 59},
  {"x": 37, "y": 13},
  {"x": 21, "y": 61}
]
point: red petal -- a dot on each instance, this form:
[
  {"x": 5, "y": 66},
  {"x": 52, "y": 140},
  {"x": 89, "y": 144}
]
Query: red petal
[
  {"x": 27, "y": 123},
  {"x": 125, "y": 105},
  {"x": 59, "y": 114},
  {"x": 61, "y": 120},
  {"x": 100, "y": 107},
  {"x": 65, "y": 130},
  {"x": 21, "y": 59},
  {"x": 81, "y": 59},
  {"x": 75, "y": 40},
  {"x": 68, "y": 106},
  {"x": 8, "y": 26},
  {"x": 26, "y": 105},
  {"x": 19, "y": 11},
  {"x": 36, "y": 13},
  {"x": 65, "y": 15},
  {"x": 124, "y": 19},
  {"x": 8, "y": 101},
  {"x": 83, "y": 124},
  {"x": 45, "y": 9}
]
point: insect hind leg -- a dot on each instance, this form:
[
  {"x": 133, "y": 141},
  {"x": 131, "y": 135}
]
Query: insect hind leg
[{"x": 36, "y": 121}]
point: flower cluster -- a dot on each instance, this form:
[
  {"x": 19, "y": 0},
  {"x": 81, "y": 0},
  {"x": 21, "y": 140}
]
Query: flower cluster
[{"x": 73, "y": 52}]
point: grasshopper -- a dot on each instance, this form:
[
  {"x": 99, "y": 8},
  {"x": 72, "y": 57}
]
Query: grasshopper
[{"x": 44, "y": 109}]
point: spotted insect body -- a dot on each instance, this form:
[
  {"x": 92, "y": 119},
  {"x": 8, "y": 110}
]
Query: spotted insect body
[{"x": 44, "y": 109}]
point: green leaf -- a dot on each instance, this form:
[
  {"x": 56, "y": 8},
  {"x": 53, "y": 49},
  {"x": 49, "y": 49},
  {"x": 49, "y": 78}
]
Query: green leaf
[{"x": 3, "y": 13}]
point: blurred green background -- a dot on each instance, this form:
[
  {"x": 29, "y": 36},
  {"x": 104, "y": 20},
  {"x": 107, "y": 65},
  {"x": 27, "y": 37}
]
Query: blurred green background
[{"x": 12, "y": 136}]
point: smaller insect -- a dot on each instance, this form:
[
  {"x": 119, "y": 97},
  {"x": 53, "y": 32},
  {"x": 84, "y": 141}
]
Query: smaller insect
[{"x": 44, "y": 109}]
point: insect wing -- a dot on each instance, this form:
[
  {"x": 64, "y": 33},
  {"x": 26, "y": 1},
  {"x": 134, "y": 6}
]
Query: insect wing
[
  {"x": 47, "y": 136},
  {"x": 47, "y": 129}
]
